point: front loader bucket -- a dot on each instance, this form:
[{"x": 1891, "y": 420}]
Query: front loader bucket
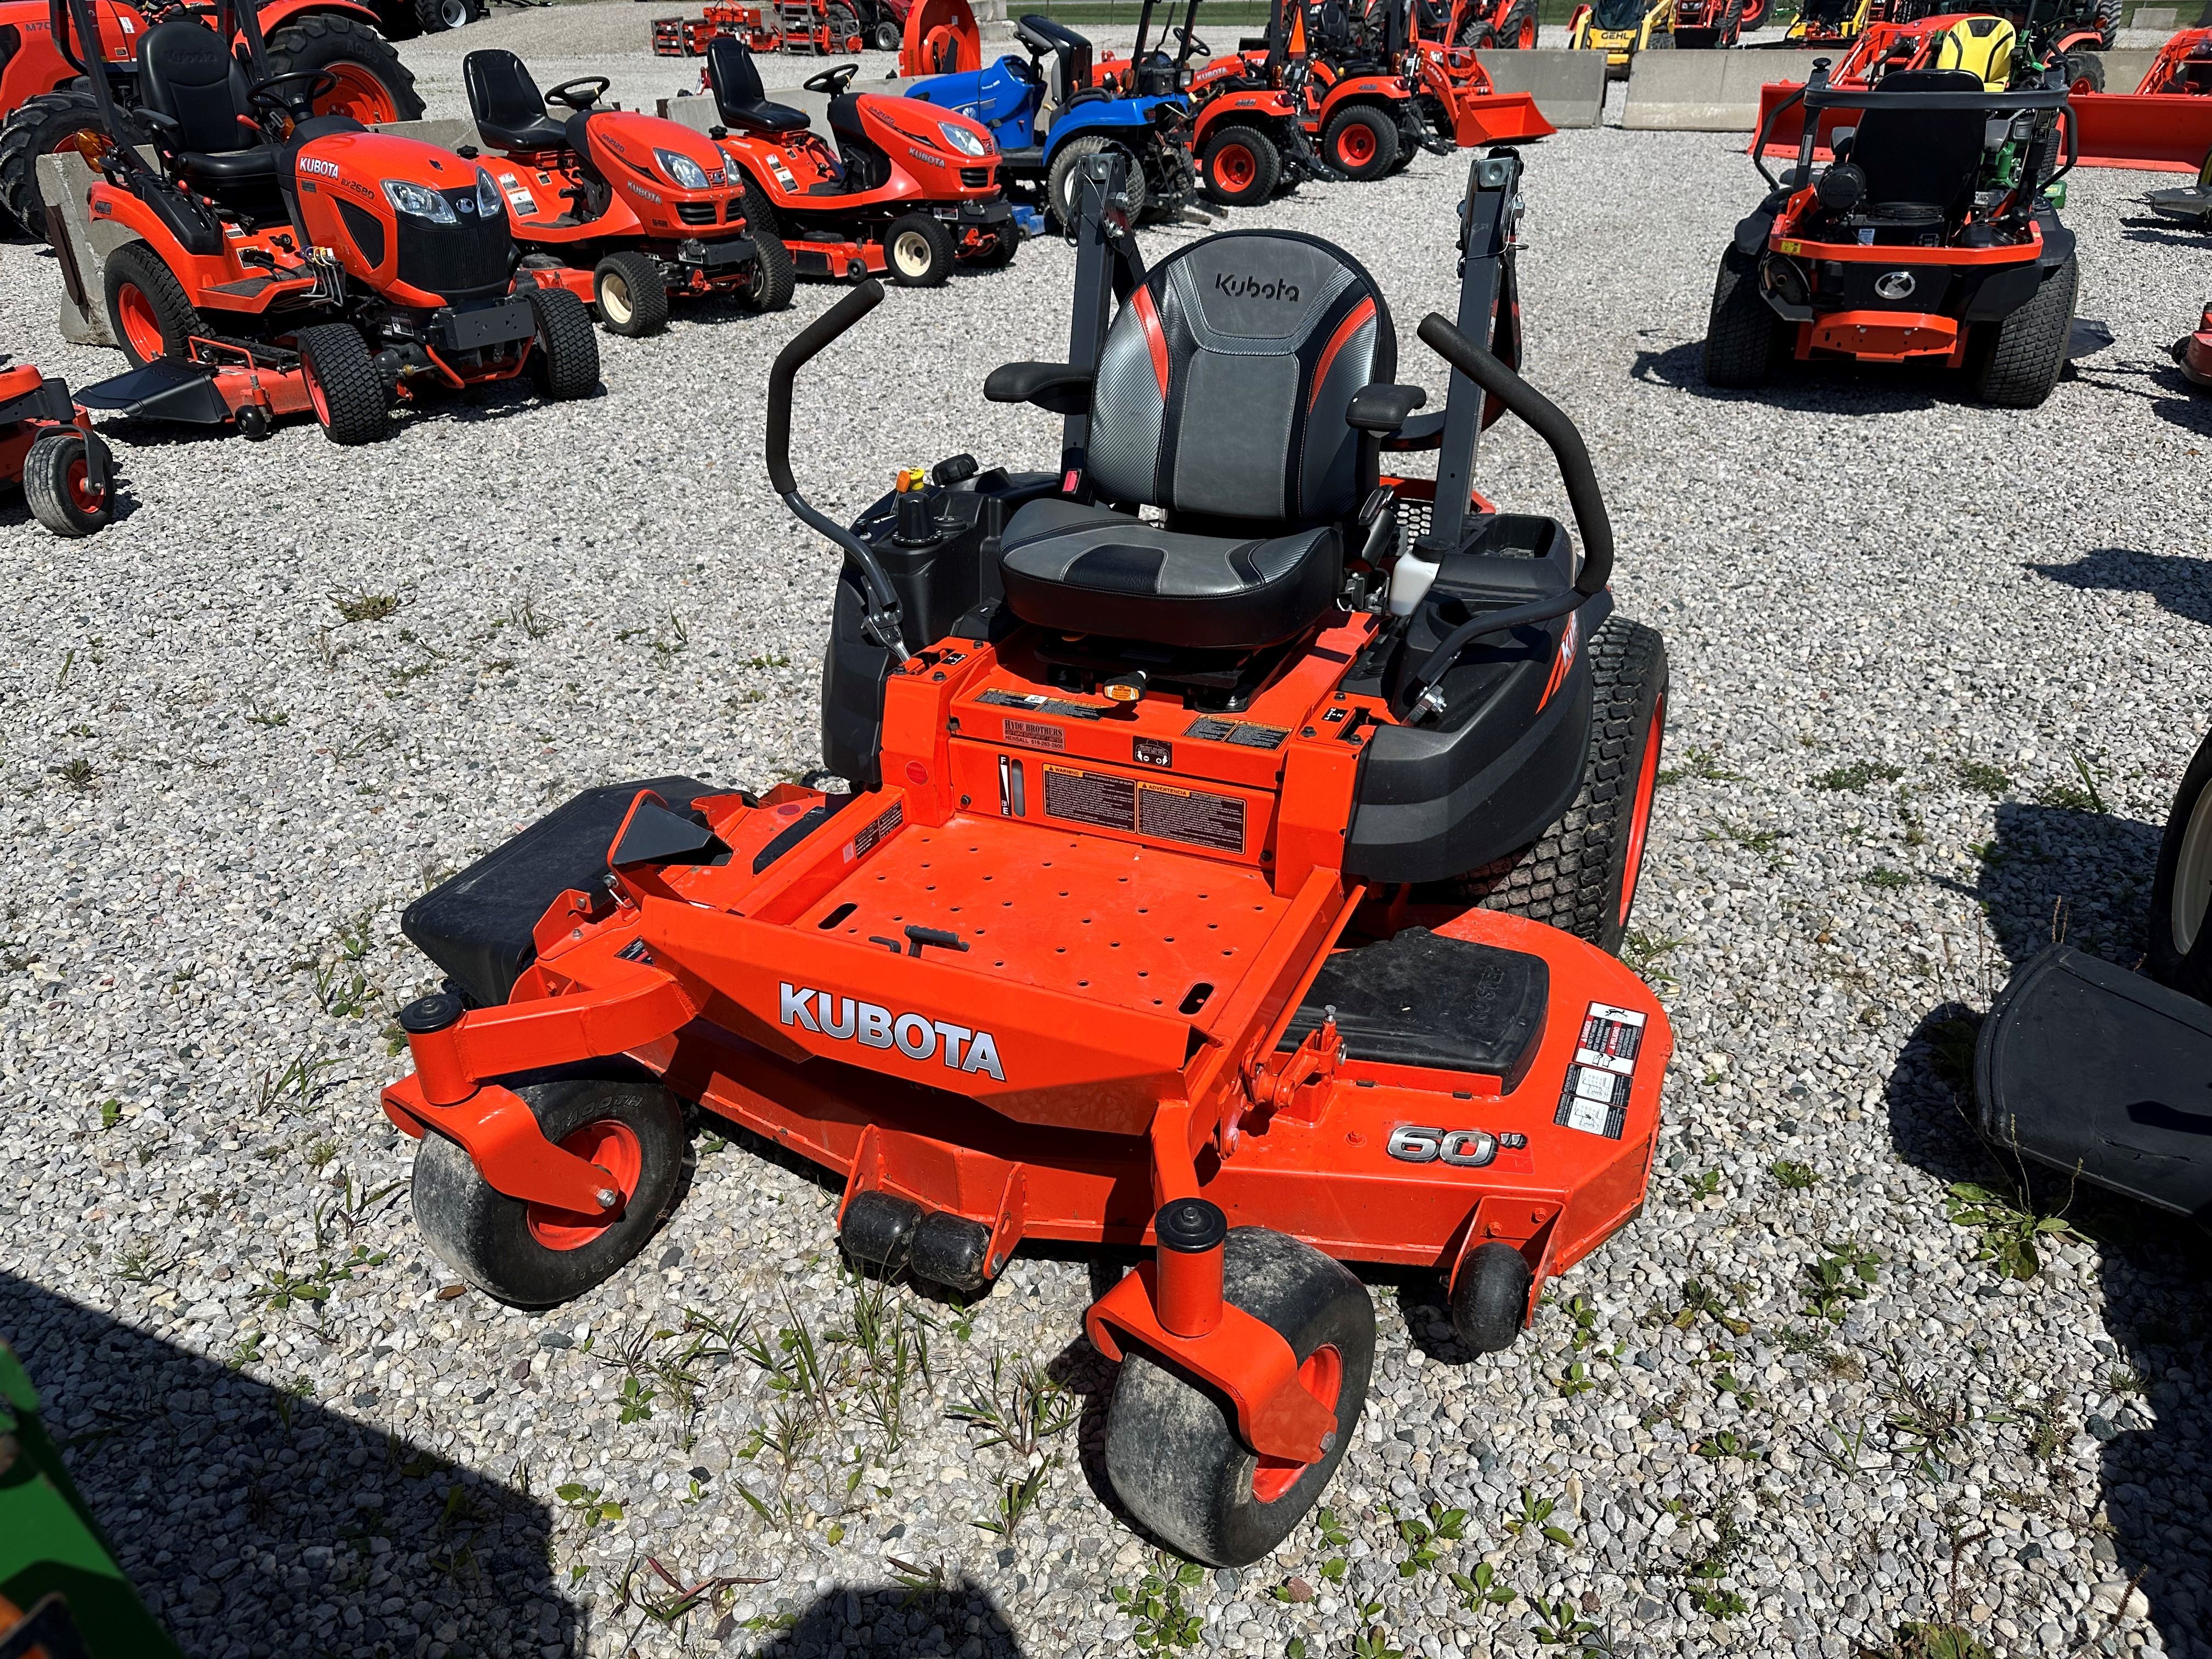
[
  {"x": 1502, "y": 118},
  {"x": 2152, "y": 132},
  {"x": 941, "y": 38}
]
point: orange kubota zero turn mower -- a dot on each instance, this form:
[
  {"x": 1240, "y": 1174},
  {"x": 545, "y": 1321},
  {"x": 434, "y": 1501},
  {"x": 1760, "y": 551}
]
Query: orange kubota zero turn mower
[
  {"x": 49, "y": 450},
  {"x": 1931, "y": 238},
  {"x": 909, "y": 188},
  {"x": 621, "y": 209},
  {"x": 288, "y": 262},
  {"x": 1210, "y": 881}
]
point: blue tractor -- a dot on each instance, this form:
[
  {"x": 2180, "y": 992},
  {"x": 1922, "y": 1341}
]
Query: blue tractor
[{"x": 1047, "y": 117}]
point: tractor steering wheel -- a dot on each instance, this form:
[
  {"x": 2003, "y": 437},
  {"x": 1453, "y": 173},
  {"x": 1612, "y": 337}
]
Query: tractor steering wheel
[
  {"x": 831, "y": 81},
  {"x": 568, "y": 97},
  {"x": 294, "y": 105},
  {"x": 1198, "y": 47}
]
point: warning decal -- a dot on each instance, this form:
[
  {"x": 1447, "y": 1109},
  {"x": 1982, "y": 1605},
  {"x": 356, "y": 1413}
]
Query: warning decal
[
  {"x": 892, "y": 817},
  {"x": 1595, "y": 1098},
  {"x": 1215, "y": 821},
  {"x": 1091, "y": 798}
]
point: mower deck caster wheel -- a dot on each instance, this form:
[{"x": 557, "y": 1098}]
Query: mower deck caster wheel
[
  {"x": 252, "y": 422},
  {"x": 1490, "y": 1297},
  {"x": 879, "y": 1229},
  {"x": 533, "y": 1255},
  {"x": 57, "y": 483},
  {"x": 566, "y": 362},
  {"x": 953, "y": 1251},
  {"x": 1172, "y": 1450},
  {"x": 917, "y": 251},
  {"x": 631, "y": 297}
]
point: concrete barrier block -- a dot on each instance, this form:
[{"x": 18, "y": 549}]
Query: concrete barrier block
[
  {"x": 2153, "y": 17},
  {"x": 2125, "y": 67},
  {"x": 1569, "y": 86},
  {"x": 1706, "y": 91},
  {"x": 80, "y": 251},
  {"x": 446, "y": 132}
]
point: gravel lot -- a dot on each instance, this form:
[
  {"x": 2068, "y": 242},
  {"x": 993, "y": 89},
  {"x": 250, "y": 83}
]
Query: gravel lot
[{"x": 1936, "y": 671}]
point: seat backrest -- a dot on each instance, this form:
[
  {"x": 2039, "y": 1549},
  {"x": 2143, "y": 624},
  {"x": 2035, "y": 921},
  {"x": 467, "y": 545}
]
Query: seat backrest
[
  {"x": 187, "y": 74},
  {"x": 1928, "y": 155},
  {"x": 732, "y": 75},
  {"x": 501, "y": 95},
  {"x": 1223, "y": 381}
]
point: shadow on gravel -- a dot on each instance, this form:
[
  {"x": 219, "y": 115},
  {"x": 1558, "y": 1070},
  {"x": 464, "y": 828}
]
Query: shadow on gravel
[
  {"x": 2150, "y": 1408},
  {"x": 960, "y": 1617},
  {"x": 2179, "y": 583},
  {"x": 2160, "y": 233},
  {"x": 258, "y": 1524},
  {"x": 1823, "y": 388},
  {"x": 2065, "y": 873}
]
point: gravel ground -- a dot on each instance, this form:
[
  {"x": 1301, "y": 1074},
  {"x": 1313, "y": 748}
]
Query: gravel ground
[{"x": 1936, "y": 669}]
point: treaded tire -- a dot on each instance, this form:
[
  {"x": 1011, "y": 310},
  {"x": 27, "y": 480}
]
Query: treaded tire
[
  {"x": 844, "y": 24},
  {"x": 55, "y": 486},
  {"x": 888, "y": 38},
  {"x": 1059, "y": 182},
  {"x": 2016, "y": 362},
  {"x": 1520, "y": 20},
  {"x": 566, "y": 362},
  {"x": 348, "y": 48},
  {"x": 1005, "y": 242},
  {"x": 773, "y": 280},
  {"x": 2084, "y": 71},
  {"x": 431, "y": 15},
  {"x": 1579, "y": 875},
  {"x": 630, "y": 295},
  {"x": 1172, "y": 1452},
  {"x": 38, "y": 126},
  {"x": 1254, "y": 179},
  {"x": 2188, "y": 830},
  {"x": 2108, "y": 22},
  {"x": 1490, "y": 1297},
  {"x": 917, "y": 251},
  {"x": 160, "y": 307},
  {"x": 1383, "y": 132},
  {"x": 1742, "y": 331},
  {"x": 348, "y": 399},
  {"x": 487, "y": 1238},
  {"x": 1477, "y": 35}
]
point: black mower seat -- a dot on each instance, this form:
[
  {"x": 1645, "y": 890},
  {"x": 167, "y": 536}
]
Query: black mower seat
[
  {"x": 1220, "y": 397},
  {"x": 739, "y": 98},
  {"x": 509, "y": 109},
  {"x": 1920, "y": 165},
  {"x": 189, "y": 76}
]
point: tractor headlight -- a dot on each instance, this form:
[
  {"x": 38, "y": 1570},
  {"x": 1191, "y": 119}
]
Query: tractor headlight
[
  {"x": 419, "y": 200},
  {"x": 687, "y": 172},
  {"x": 963, "y": 140},
  {"x": 489, "y": 204}
]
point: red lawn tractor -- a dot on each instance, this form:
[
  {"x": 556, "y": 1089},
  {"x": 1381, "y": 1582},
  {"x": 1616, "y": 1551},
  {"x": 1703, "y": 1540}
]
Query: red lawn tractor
[
  {"x": 1491, "y": 25},
  {"x": 286, "y": 263},
  {"x": 623, "y": 210},
  {"x": 1707, "y": 25},
  {"x": 46, "y": 109},
  {"x": 48, "y": 449}
]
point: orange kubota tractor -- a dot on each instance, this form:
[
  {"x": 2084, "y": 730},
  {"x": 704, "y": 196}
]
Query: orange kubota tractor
[{"x": 1186, "y": 895}]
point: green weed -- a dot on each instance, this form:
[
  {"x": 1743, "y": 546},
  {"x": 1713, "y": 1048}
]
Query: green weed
[
  {"x": 359, "y": 605},
  {"x": 2010, "y": 1230},
  {"x": 1858, "y": 776},
  {"x": 1847, "y": 1274},
  {"x": 1791, "y": 1176},
  {"x": 1154, "y": 1606}
]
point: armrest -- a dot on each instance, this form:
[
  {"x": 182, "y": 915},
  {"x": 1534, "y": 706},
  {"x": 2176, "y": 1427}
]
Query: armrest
[
  {"x": 1061, "y": 388},
  {"x": 1383, "y": 409},
  {"x": 1419, "y": 431}
]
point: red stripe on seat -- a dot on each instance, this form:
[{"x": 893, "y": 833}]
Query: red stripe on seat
[
  {"x": 1362, "y": 313},
  {"x": 1148, "y": 319}
]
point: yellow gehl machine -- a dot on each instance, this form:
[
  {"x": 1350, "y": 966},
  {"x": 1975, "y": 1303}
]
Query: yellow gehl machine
[
  {"x": 1621, "y": 29},
  {"x": 1831, "y": 23}
]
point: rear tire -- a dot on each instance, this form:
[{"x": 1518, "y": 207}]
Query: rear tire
[
  {"x": 2180, "y": 943},
  {"x": 373, "y": 84},
  {"x": 436, "y": 16},
  {"x": 39, "y": 126},
  {"x": 350, "y": 401},
  {"x": 1241, "y": 167},
  {"x": 566, "y": 362},
  {"x": 1059, "y": 183},
  {"x": 1172, "y": 1451},
  {"x": 1580, "y": 875},
  {"x": 1363, "y": 133},
  {"x": 2015, "y": 361},
  {"x": 530, "y": 1255},
  {"x": 888, "y": 38},
  {"x": 1520, "y": 32},
  {"x": 147, "y": 309},
  {"x": 55, "y": 484},
  {"x": 917, "y": 251},
  {"x": 844, "y": 29},
  {"x": 768, "y": 287},
  {"x": 1742, "y": 331},
  {"x": 631, "y": 296}
]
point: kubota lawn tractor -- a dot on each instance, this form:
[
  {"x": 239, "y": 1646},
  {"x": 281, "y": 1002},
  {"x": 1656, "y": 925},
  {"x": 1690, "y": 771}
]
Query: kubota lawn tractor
[
  {"x": 47, "y": 103},
  {"x": 48, "y": 449},
  {"x": 621, "y": 209},
  {"x": 286, "y": 262},
  {"x": 2102, "y": 1074},
  {"x": 1364, "y": 110},
  {"x": 1208, "y": 881},
  {"x": 1621, "y": 29},
  {"x": 909, "y": 191},
  {"x": 1933, "y": 236}
]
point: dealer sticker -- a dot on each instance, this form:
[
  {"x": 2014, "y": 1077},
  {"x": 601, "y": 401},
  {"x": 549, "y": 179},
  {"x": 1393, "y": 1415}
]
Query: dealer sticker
[{"x": 1595, "y": 1097}]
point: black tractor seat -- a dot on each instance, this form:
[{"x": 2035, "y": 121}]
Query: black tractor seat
[
  {"x": 741, "y": 99},
  {"x": 190, "y": 78},
  {"x": 1220, "y": 400},
  {"x": 509, "y": 109},
  {"x": 1920, "y": 165}
]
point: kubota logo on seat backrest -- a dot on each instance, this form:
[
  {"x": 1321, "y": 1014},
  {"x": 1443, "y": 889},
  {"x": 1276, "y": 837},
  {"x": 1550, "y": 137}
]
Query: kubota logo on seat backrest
[
  {"x": 915, "y": 1036},
  {"x": 1251, "y": 287}
]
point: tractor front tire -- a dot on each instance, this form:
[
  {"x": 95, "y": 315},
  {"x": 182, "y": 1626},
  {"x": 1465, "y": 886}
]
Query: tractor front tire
[
  {"x": 57, "y": 485},
  {"x": 2084, "y": 70},
  {"x": 2016, "y": 362},
  {"x": 147, "y": 308},
  {"x": 372, "y": 85},
  {"x": 917, "y": 251},
  {"x": 1580, "y": 875},
  {"x": 1172, "y": 1450},
  {"x": 2180, "y": 943},
  {"x": 1489, "y": 1296},
  {"x": 1059, "y": 183},
  {"x": 39, "y": 126},
  {"x": 630, "y": 295},
  {"x": 1241, "y": 167},
  {"x": 534, "y": 1255},
  {"x": 1361, "y": 142},
  {"x": 566, "y": 362},
  {"x": 348, "y": 399},
  {"x": 769, "y": 284},
  {"x": 1742, "y": 331}
]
